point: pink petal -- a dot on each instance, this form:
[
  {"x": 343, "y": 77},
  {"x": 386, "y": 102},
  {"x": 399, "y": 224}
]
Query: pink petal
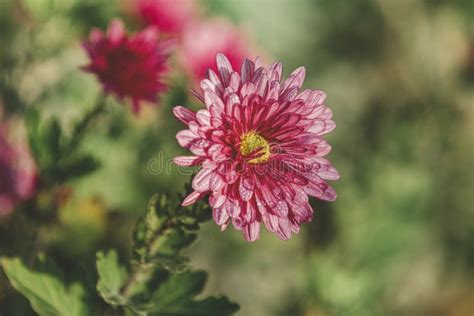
[
  {"x": 328, "y": 173},
  {"x": 220, "y": 216},
  {"x": 232, "y": 208},
  {"x": 197, "y": 95},
  {"x": 96, "y": 36},
  {"x": 295, "y": 228},
  {"x": 289, "y": 94},
  {"x": 321, "y": 127},
  {"x": 247, "y": 89},
  {"x": 271, "y": 222},
  {"x": 234, "y": 83},
  {"x": 312, "y": 97},
  {"x": 186, "y": 138},
  {"x": 216, "y": 111},
  {"x": 251, "y": 231},
  {"x": 303, "y": 212},
  {"x": 216, "y": 183},
  {"x": 207, "y": 84},
  {"x": 199, "y": 147},
  {"x": 247, "y": 70},
  {"x": 201, "y": 180},
  {"x": 216, "y": 151},
  {"x": 183, "y": 114},
  {"x": 187, "y": 161},
  {"x": 150, "y": 34},
  {"x": 224, "y": 67},
  {"x": 323, "y": 148},
  {"x": 192, "y": 198},
  {"x": 262, "y": 86},
  {"x": 216, "y": 80},
  {"x": 246, "y": 188},
  {"x": 116, "y": 31},
  {"x": 217, "y": 200},
  {"x": 203, "y": 117},
  {"x": 275, "y": 72},
  {"x": 296, "y": 79},
  {"x": 281, "y": 208},
  {"x": 273, "y": 92},
  {"x": 210, "y": 97},
  {"x": 238, "y": 223},
  {"x": 284, "y": 228},
  {"x": 321, "y": 191}
]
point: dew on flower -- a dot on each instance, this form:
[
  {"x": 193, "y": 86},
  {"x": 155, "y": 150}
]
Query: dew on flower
[{"x": 270, "y": 135}]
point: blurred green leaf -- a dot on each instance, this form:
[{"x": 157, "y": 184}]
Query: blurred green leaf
[
  {"x": 47, "y": 293},
  {"x": 53, "y": 140},
  {"x": 39, "y": 8},
  {"x": 87, "y": 14},
  {"x": 211, "y": 306},
  {"x": 179, "y": 288},
  {"x": 78, "y": 167},
  {"x": 112, "y": 276},
  {"x": 175, "y": 297},
  {"x": 32, "y": 120}
]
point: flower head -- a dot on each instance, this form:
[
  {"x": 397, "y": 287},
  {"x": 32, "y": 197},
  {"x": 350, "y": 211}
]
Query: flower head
[
  {"x": 128, "y": 66},
  {"x": 260, "y": 144},
  {"x": 17, "y": 173},
  {"x": 169, "y": 16},
  {"x": 203, "y": 40}
]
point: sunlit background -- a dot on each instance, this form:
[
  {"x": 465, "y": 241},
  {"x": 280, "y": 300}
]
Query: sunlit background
[{"x": 399, "y": 76}]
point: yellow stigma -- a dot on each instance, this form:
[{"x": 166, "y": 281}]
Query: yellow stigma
[{"x": 251, "y": 142}]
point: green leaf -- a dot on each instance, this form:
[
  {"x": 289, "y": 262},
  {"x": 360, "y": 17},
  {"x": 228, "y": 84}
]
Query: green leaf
[
  {"x": 179, "y": 288},
  {"x": 146, "y": 228},
  {"x": 211, "y": 306},
  {"x": 175, "y": 297},
  {"x": 160, "y": 287},
  {"x": 112, "y": 276},
  {"x": 78, "y": 167},
  {"x": 44, "y": 141},
  {"x": 32, "y": 124},
  {"x": 160, "y": 236},
  {"x": 47, "y": 293},
  {"x": 53, "y": 140},
  {"x": 152, "y": 221},
  {"x": 166, "y": 250},
  {"x": 173, "y": 262}
]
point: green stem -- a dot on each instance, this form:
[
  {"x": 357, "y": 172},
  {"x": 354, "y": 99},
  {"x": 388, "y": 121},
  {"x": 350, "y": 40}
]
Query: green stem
[
  {"x": 82, "y": 125},
  {"x": 142, "y": 269},
  {"x": 33, "y": 204}
]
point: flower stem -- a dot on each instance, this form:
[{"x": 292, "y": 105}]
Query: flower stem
[
  {"x": 82, "y": 125},
  {"x": 142, "y": 269}
]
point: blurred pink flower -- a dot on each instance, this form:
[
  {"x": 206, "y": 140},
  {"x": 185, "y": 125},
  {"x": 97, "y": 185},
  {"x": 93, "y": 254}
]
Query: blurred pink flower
[
  {"x": 201, "y": 41},
  {"x": 17, "y": 173},
  {"x": 128, "y": 66},
  {"x": 260, "y": 144},
  {"x": 169, "y": 16}
]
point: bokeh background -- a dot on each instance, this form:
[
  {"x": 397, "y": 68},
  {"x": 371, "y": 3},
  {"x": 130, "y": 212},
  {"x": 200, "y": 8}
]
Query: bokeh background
[{"x": 399, "y": 75}]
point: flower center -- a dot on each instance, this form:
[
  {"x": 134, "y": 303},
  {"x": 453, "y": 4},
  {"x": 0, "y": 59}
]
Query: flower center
[{"x": 250, "y": 143}]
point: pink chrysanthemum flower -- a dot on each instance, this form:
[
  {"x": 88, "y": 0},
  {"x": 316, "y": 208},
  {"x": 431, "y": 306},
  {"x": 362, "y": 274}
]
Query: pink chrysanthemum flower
[
  {"x": 260, "y": 144},
  {"x": 128, "y": 66},
  {"x": 17, "y": 173},
  {"x": 169, "y": 16},
  {"x": 203, "y": 40}
]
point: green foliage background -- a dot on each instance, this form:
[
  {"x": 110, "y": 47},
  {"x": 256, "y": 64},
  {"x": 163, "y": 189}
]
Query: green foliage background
[{"x": 400, "y": 78}]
